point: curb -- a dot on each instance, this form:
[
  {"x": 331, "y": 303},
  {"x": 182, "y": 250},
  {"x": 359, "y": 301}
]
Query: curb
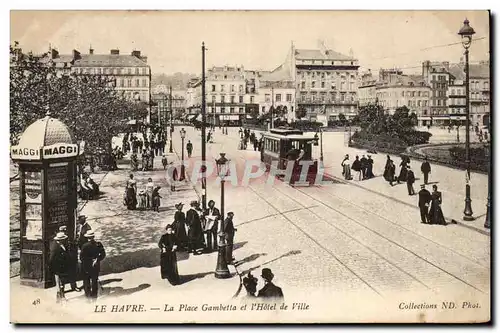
[{"x": 449, "y": 220}]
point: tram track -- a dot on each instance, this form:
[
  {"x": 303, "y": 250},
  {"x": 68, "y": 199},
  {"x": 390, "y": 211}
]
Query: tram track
[{"x": 358, "y": 207}]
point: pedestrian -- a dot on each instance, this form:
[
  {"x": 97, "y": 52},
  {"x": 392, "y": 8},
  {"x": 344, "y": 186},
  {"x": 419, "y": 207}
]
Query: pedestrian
[
  {"x": 209, "y": 134},
  {"x": 91, "y": 256},
  {"x": 250, "y": 284},
  {"x": 73, "y": 252},
  {"x": 134, "y": 162},
  {"x": 424, "y": 199},
  {"x": 364, "y": 166},
  {"x": 195, "y": 231},
  {"x": 369, "y": 168},
  {"x": 131, "y": 193},
  {"x": 189, "y": 148},
  {"x": 144, "y": 159},
  {"x": 180, "y": 227},
  {"x": 229, "y": 231},
  {"x": 356, "y": 166},
  {"x": 175, "y": 179},
  {"x": 403, "y": 170},
  {"x": 426, "y": 170},
  {"x": 255, "y": 144},
  {"x": 150, "y": 186},
  {"x": 346, "y": 168},
  {"x": 436, "y": 213},
  {"x": 168, "y": 256},
  {"x": 156, "y": 199},
  {"x": 387, "y": 168},
  {"x": 410, "y": 180},
  {"x": 60, "y": 264},
  {"x": 142, "y": 200},
  {"x": 270, "y": 290},
  {"x": 84, "y": 227},
  {"x": 164, "y": 162},
  {"x": 212, "y": 217},
  {"x": 391, "y": 172}
]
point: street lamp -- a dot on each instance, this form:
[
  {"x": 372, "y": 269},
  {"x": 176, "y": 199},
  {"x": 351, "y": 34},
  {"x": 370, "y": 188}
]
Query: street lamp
[
  {"x": 171, "y": 122},
  {"x": 349, "y": 133},
  {"x": 466, "y": 33},
  {"x": 183, "y": 136},
  {"x": 222, "y": 271},
  {"x": 487, "y": 220},
  {"x": 319, "y": 139}
]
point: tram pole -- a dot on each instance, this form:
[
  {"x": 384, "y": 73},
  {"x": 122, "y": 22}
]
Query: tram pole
[{"x": 203, "y": 129}]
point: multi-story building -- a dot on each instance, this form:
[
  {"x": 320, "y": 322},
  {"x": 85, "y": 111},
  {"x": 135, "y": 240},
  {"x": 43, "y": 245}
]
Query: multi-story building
[
  {"x": 326, "y": 83},
  {"x": 367, "y": 89},
  {"x": 436, "y": 75},
  {"x": 167, "y": 106},
  {"x": 396, "y": 90},
  {"x": 456, "y": 95},
  {"x": 479, "y": 89},
  {"x": 130, "y": 74}
]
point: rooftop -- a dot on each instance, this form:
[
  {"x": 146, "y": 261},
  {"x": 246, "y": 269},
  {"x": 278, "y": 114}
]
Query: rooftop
[
  {"x": 319, "y": 55},
  {"x": 111, "y": 60}
]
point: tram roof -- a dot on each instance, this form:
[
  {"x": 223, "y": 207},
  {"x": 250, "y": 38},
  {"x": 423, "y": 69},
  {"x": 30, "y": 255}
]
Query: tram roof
[
  {"x": 286, "y": 131},
  {"x": 289, "y": 137}
]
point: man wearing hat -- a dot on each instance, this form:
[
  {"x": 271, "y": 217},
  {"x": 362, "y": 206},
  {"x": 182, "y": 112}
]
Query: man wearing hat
[
  {"x": 84, "y": 227},
  {"x": 410, "y": 179},
  {"x": 250, "y": 284},
  {"x": 229, "y": 231},
  {"x": 424, "y": 199},
  {"x": 195, "y": 232},
  {"x": 212, "y": 216},
  {"x": 91, "y": 255},
  {"x": 60, "y": 263},
  {"x": 269, "y": 290},
  {"x": 369, "y": 168},
  {"x": 426, "y": 170},
  {"x": 73, "y": 252}
]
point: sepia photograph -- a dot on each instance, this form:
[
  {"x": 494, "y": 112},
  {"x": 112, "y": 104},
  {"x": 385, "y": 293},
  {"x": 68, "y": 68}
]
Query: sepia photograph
[{"x": 250, "y": 166}]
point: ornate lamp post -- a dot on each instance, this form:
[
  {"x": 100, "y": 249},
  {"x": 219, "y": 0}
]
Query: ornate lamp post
[
  {"x": 222, "y": 272},
  {"x": 319, "y": 139},
  {"x": 466, "y": 33},
  {"x": 171, "y": 121},
  {"x": 183, "y": 136}
]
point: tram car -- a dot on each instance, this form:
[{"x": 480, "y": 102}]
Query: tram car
[{"x": 286, "y": 145}]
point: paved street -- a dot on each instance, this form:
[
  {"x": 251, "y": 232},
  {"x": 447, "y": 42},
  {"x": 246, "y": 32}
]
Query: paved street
[{"x": 339, "y": 239}]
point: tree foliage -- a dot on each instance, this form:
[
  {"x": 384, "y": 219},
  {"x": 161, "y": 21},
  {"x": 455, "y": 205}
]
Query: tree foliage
[
  {"x": 300, "y": 112},
  {"x": 88, "y": 104}
]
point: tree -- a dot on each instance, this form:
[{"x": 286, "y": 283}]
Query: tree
[
  {"x": 88, "y": 104},
  {"x": 301, "y": 112},
  {"x": 342, "y": 118}
]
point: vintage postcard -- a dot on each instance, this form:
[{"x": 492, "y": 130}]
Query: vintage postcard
[{"x": 250, "y": 167}]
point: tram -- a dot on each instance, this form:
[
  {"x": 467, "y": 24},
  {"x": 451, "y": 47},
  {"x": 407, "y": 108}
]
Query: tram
[{"x": 287, "y": 145}]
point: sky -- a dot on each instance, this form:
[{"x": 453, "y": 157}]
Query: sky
[{"x": 255, "y": 39}]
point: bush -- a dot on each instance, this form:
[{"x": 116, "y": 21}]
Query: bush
[{"x": 306, "y": 125}]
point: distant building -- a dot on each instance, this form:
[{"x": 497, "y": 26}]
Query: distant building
[
  {"x": 437, "y": 77},
  {"x": 395, "y": 90},
  {"x": 479, "y": 79},
  {"x": 367, "y": 89},
  {"x": 326, "y": 83}
]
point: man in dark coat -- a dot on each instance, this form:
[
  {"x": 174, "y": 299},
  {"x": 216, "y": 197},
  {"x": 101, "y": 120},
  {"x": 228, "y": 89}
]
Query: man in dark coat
[
  {"x": 229, "y": 231},
  {"x": 91, "y": 256},
  {"x": 424, "y": 199},
  {"x": 356, "y": 166},
  {"x": 212, "y": 216},
  {"x": 369, "y": 169},
  {"x": 426, "y": 170},
  {"x": 189, "y": 148},
  {"x": 270, "y": 291},
  {"x": 72, "y": 248},
  {"x": 60, "y": 263},
  {"x": 410, "y": 179},
  {"x": 195, "y": 231},
  {"x": 364, "y": 166},
  {"x": 83, "y": 229}
]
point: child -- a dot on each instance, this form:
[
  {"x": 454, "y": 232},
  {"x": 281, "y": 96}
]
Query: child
[
  {"x": 156, "y": 199},
  {"x": 142, "y": 199}
]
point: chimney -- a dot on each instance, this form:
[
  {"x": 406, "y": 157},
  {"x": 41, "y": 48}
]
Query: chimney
[
  {"x": 136, "y": 54},
  {"x": 115, "y": 52},
  {"x": 76, "y": 55},
  {"x": 91, "y": 50},
  {"x": 54, "y": 54}
]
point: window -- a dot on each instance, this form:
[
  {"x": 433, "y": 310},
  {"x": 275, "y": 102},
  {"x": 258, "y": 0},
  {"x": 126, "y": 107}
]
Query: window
[
  {"x": 213, "y": 99},
  {"x": 288, "y": 97},
  {"x": 267, "y": 98},
  {"x": 213, "y": 87},
  {"x": 231, "y": 110},
  {"x": 486, "y": 85},
  {"x": 434, "y": 78},
  {"x": 402, "y": 94},
  {"x": 137, "y": 82},
  {"x": 225, "y": 77},
  {"x": 232, "y": 88},
  {"x": 313, "y": 84},
  {"x": 342, "y": 97},
  {"x": 232, "y": 99},
  {"x": 129, "y": 71},
  {"x": 144, "y": 71},
  {"x": 313, "y": 97},
  {"x": 241, "y": 99},
  {"x": 409, "y": 103},
  {"x": 303, "y": 85},
  {"x": 136, "y": 71},
  {"x": 453, "y": 91},
  {"x": 278, "y": 97},
  {"x": 240, "y": 88},
  {"x": 240, "y": 110},
  {"x": 222, "y": 88},
  {"x": 439, "y": 102},
  {"x": 263, "y": 109},
  {"x": 322, "y": 84},
  {"x": 342, "y": 85},
  {"x": 252, "y": 99},
  {"x": 418, "y": 103},
  {"x": 212, "y": 109},
  {"x": 223, "y": 110},
  {"x": 222, "y": 98},
  {"x": 419, "y": 94},
  {"x": 144, "y": 83},
  {"x": 129, "y": 83},
  {"x": 121, "y": 83}
]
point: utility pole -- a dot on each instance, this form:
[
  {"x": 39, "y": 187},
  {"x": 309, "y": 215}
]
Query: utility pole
[
  {"x": 203, "y": 139},
  {"x": 272, "y": 106},
  {"x": 171, "y": 121}
]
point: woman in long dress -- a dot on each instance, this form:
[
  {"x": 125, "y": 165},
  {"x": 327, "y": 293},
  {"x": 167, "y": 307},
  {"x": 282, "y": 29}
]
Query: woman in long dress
[
  {"x": 403, "y": 173},
  {"x": 168, "y": 257},
  {"x": 179, "y": 226},
  {"x": 436, "y": 213},
  {"x": 346, "y": 167},
  {"x": 387, "y": 168},
  {"x": 130, "y": 193},
  {"x": 149, "y": 193}
]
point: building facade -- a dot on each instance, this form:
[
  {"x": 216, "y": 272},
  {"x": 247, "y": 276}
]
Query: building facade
[
  {"x": 367, "y": 89},
  {"x": 326, "y": 83},
  {"x": 437, "y": 76},
  {"x": 479, "y": 80}
]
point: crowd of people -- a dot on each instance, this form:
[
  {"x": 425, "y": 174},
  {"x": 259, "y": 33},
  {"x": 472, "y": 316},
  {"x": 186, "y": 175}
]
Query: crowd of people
[
  {"x": 363, "y": 167},
  {"x": 144, "y": 199},
  {"x": 246, "y": 136}
]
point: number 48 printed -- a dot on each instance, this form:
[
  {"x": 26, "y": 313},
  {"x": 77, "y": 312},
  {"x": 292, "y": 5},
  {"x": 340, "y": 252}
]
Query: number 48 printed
[{"x": 36, "y": 302}]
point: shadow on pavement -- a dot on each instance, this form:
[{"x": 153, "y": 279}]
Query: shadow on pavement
[
  {"x": 132, "y": 260},
  {"x": 290, "y": 253},
  {"x": 238, "y": 245},
  {"x": 119, "y": 291},
  {"x": 191, "y": 277},
  {"x": 108, "y": 281},
  {"x": 249, "y": 259}
]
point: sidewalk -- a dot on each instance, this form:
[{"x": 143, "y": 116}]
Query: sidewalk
[{"x": 131, "y": 242}]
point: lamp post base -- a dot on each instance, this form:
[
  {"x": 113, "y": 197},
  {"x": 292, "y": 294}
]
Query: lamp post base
[
  {"x": 222, "y": 271},
  {"x": 468, "y": 207}
]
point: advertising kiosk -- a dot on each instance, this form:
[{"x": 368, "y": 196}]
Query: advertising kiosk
[{"x": 46, "y": 155}]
